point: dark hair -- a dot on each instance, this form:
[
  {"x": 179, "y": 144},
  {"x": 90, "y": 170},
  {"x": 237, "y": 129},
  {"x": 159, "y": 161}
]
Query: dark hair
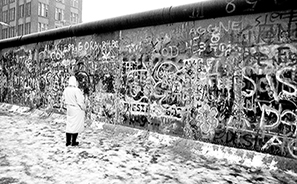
[{"x": 86, "y": 91}]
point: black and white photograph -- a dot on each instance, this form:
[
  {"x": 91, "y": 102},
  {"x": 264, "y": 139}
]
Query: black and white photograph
[{"x": 148, "y": 92}]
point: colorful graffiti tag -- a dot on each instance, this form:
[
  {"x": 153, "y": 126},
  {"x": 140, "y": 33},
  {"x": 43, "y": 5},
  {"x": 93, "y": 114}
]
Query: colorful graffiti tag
[{"x": 228, "y": 81}]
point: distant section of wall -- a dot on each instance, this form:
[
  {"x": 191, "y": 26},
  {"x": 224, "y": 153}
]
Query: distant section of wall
[{"x": 229, "y": 80}]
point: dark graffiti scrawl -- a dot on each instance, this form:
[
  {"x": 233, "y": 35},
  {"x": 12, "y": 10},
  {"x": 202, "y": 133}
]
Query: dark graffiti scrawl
[{"x": 228, "y": 81}]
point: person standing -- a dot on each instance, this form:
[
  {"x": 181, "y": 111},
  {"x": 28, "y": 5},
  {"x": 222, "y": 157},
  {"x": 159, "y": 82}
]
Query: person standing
[{"x": 73, "y": 98}]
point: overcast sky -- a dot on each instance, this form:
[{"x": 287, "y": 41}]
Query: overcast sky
[{"x": 102, "y": 9}]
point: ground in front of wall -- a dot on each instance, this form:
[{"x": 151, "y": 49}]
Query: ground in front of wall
[{"x": 32, "y": 150}]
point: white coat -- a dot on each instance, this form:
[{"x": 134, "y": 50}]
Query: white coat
[{"x": 74, "y": 100}]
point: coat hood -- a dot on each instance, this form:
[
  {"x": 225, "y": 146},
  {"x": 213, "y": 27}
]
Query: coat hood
[{"x": 72, "y": 81}]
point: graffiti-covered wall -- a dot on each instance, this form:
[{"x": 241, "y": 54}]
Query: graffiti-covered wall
[{"x": 229, "y": 80}]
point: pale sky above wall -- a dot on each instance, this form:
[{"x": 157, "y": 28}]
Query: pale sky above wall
[{"x": 102, "y": 9}]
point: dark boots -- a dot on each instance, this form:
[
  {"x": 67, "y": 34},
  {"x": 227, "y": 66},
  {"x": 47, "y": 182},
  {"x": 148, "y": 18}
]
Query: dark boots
[
  {"x": 71, "y": 139},
  {"x": 74, "y": 143},
  {"x": 68, "y": 139}
]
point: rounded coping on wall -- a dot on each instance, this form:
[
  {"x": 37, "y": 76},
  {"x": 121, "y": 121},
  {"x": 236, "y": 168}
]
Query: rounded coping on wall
[{"x": 190, "y": 12}]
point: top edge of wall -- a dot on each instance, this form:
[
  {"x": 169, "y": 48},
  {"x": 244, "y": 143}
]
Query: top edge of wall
[{"x": 204, "y": 9}]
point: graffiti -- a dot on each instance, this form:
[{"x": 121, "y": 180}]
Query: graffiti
[
  {"x": 208, "y": 40},
  {"x": 229, "y": 81},
  {"x": 136, "y": 108},
  {"x": 230, "y": 7},
  {"x": 3, "y": 84},
  {"x": 206, "y": 119}
]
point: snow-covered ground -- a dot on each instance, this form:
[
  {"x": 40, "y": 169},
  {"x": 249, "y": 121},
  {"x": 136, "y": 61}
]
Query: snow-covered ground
[{"x": 32, "y": 150}]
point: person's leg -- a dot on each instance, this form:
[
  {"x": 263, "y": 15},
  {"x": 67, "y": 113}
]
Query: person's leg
[
  {"x": 68, "y": 139},
  {"x": 74, "y": 137}
]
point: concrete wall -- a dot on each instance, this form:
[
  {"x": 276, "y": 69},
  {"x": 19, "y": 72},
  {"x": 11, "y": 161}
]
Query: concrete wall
[{"x": 229, "y": 80}]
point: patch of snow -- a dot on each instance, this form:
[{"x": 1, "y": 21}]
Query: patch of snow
[
  {"x": 13, "y": 108},
  {"x": 97, "y": 124},
  {"x": 272, "y": 165}
]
